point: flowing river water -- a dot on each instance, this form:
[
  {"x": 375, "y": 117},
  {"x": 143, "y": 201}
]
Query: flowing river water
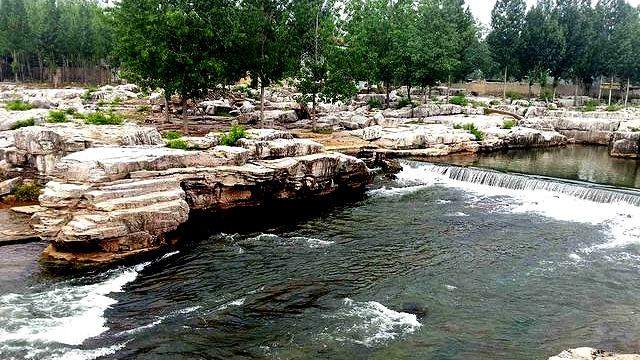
[{"x": 441, "y": 263}]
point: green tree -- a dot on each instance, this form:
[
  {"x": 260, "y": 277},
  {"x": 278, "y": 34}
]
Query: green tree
[
  {"x": 14, "y": 33},
  {"x": 543, "y": 43},
  {"x": 269, "y": 47},
  {"x": 507, "y": 23},
  {"x": 173, "y": 45}
]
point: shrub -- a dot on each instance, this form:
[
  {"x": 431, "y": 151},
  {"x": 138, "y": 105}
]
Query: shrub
[
  {"x": 613, "y": 107},
  {"x": 177, "y": 144},
  {"x": 590, "y": 105},
  {"x": 514, "y": 95},
  {"x": 172, "y": 135},
  {"x": 23, "y": 123},
  {"x": 508, "y": 124},
  {"x": 57, "y": 116},
  {"x": 70, "y": 111},
  {"x": 18, "y": 105},
  {"x": 102, "y": 118},
  {"x": 546, "y": 94},
  {"x": 231, "y": 138},
  {"x": 143, "y": 108},
  {"x": 87, "y": 94},
  {"x": 404, "y": 102},
  {"x": 26, "y": 192},
  {"x": 471, "y": 128},
  {"x": 374, "y": 103},
  {"x": 477, "y": 104},
  {"x": 459, "y": 100},
  {"x": 116, "y": 101},
  {"x": 494, "y": 102}
]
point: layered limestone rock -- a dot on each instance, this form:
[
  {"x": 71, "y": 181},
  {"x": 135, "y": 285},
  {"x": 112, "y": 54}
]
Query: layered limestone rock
[
  {"x": 443, "y": 138},
  {"x": 38, "y": 148},
  {"x": 106, "y": 204},
  {"x": 586, "y": 353},
  {"x": 625, "y": 144},
  {"x": 580, "y": 129}
]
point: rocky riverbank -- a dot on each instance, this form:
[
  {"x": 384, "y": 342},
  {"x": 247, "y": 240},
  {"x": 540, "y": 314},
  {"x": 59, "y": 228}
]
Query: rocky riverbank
[
  {"x": 106, "y": 204},
  {"x": 114, "y": 191}
]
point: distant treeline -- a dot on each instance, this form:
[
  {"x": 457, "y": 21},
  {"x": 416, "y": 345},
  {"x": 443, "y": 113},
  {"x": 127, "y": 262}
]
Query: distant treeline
[
  {"x": 54, "y": 40},
  {"x": 566, "y": 39},
  {"x": 187, "y": 46}
]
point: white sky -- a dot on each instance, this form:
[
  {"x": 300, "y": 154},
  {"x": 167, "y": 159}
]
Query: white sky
[{"x": 482, "y": 8}]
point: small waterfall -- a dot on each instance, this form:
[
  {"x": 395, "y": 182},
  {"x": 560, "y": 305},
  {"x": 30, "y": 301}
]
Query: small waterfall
[{"x": 577, "y": 189}]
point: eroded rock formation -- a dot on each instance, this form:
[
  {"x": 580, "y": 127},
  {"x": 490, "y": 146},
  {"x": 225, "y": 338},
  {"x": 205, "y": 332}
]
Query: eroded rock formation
[{"x": 106, "y": 204}]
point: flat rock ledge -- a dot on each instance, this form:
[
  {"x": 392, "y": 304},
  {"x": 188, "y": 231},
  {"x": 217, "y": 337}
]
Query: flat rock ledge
[
  {"x": 107, "y": 204},
  {"x": 586, "y": 353}
]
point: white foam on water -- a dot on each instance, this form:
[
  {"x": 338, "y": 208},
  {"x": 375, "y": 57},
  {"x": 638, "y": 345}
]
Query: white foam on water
[
  {"x": 237, "y": 302},
  {"x": 294, "y": 240},
  {"x": 396, "y": 191},
  {"x": 450, "y": 287},
  {"x": 620, "y": 221},
  {"x": 312, "y": 242},
  {"x": 170, "y": 254},
  {"x": 374, "y": 323},
  {"x": 442, "y": 202},
  {"x": 46, "y": 323}
]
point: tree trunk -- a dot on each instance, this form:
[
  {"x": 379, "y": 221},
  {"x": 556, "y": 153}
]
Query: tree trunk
[
  {"x": 15, "y": 66},
  {"x": 575, "y": 94},
  {"x": 167, "y": 117},
  {"x": 313, "y": 111},
  {"x": 449, "y": 88},
  {"x": 185, "y": 127},
  {"x": 261, "y": 101},
  {"x": 409, "y": 98},
  {"x": 388, "y": 90},
  {"x": 610, "y": 89},
  {"x": 626, "y": 96},
  {"x": 600, "y": 89},
  {"x": 504, "y": 89}
]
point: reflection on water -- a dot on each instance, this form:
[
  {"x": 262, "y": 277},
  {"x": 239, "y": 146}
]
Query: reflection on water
[{"x": 585, "y": 163}]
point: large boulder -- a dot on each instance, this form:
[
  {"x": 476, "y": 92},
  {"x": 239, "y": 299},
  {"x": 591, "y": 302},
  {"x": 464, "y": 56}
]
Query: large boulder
[
  {"x": 625, "y": 144},
  {"x": 40, "y": 147}
]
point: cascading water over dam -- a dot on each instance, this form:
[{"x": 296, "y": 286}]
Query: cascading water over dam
[{"x": 513, "y": 181}]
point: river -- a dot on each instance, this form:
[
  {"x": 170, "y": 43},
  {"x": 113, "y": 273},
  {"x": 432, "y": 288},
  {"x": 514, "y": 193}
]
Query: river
[{"x": 440, "y": 263}]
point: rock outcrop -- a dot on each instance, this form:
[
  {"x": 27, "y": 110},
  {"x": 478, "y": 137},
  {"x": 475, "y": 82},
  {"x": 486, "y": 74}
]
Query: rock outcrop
[
  {"x": 625, "y": 144},
  {"x": 107, "y": 204},
  {"x": 36, "y": 149}
]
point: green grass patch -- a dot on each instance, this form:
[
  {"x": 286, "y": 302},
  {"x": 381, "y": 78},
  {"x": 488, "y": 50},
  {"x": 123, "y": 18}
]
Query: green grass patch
[
  {"x": 177, "y": 144},
  {"x": 514, "y": 95},
  {"x": 508, "y": 124},
  {"x": 494, "y": 102},
  {"x": 103, "y": 118},
  {"x": 403, "y": 102},
  {"x": 231, "y": 138},
  {"x": 590, "y": 105},
  {"x": 23, "y": 123},
  {"x": 172, "y": 135},
  {"x": 143, "y": 108},
  {"x": 613, "y": 107},
  {"x": 26, "y": 192},
  {"x": 18, "y": 105},
  {"x": 57, "y": 116},
  {"x": 374, "y": 103},
  {"x": 471, "y": 128},
  {"x": 459, "y": 100}
]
